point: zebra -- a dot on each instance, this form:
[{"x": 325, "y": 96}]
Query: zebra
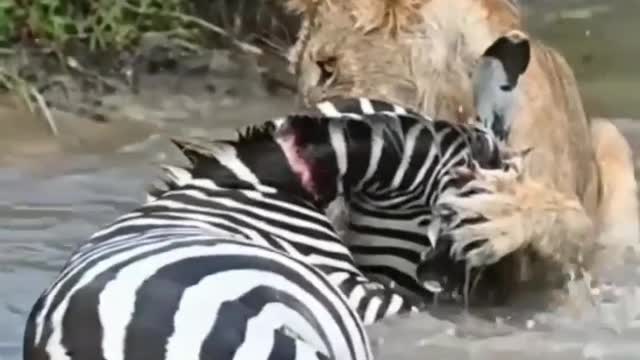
[
  {"x": 181, "y": 293},
  {"x": 250, "y": 206},
  {"x": 386, "y": 234}
]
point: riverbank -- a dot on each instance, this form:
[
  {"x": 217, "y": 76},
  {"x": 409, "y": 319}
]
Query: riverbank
[{"x": 162, "y": 91}]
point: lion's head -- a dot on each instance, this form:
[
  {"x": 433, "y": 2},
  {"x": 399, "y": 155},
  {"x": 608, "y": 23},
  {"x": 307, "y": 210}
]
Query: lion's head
[{"x": 418, "y": 53}]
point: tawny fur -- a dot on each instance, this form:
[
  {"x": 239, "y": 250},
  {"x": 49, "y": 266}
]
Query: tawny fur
[
  {"x": 392, "y": 16},
  {"x": 618, "y": 210},
  {"x": 521, "y": 211},
  {"x": 580, "y": 182}
]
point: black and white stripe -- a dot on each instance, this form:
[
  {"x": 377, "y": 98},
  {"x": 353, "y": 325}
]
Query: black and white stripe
[
  {"x": 243, "y": 229},
  {"x": 179, "y": 293},
  {"x": 386, "y": 231}
]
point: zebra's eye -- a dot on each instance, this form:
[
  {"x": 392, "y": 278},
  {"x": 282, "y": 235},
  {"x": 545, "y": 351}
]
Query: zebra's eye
[{"x": 327, "y": 69}]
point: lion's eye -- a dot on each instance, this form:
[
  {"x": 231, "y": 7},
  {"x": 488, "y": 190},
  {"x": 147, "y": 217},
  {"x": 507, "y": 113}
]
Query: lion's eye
[{"x": 327, "y": 69}]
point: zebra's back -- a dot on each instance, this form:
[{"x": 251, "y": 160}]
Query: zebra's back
[{"x": 194, "y": 296}]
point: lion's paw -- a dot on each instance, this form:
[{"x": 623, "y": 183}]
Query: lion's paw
[
  {"x": 483, "y": 244},
  {"x": 484, "y": 219}
]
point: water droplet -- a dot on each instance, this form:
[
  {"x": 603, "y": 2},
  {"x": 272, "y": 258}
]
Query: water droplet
[{"x": 530, "y": 324}]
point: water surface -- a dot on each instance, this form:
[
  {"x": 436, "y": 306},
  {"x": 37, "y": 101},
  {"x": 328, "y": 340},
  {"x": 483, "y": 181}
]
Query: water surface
[{"x": 49, "y": 204}]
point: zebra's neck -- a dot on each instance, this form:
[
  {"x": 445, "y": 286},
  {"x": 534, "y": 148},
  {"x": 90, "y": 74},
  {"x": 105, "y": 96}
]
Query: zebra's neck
[
  {"x": 321, "y": 157},
  {"x": 384, "y": 153}
]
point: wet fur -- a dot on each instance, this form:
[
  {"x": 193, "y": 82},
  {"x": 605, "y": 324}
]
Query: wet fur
[{"x": 579, "y": 190}]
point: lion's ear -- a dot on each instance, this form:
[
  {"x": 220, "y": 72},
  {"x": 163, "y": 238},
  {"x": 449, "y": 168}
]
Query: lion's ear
[
  {"x": 513, "y": 52},
  {"x": 495, "y": 80}
]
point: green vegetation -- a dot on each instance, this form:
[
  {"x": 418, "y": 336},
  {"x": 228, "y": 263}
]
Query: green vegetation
[
  {"x": 73, "y": 37},
  {"x": 62, "y": 27},
  {"x": 100, "y": 24},
  {"x": 119, "y": 24},
  {"x": 96, "y": 26}
]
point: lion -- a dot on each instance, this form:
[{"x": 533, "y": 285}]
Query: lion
[{"x": 576, "y": 194}]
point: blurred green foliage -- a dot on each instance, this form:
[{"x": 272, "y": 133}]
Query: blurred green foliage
[
  {"x": 101, "y": 24},
  {"x": 71, "y": 32}
]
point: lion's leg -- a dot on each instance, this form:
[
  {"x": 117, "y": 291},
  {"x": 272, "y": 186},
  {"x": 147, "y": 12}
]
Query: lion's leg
[{"x": 618, "y": 219}]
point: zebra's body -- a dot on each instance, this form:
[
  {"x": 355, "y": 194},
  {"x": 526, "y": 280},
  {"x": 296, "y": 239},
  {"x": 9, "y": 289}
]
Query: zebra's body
[
  {"x": 263, "y": 197},
  {"x": 176, "y": 294},
  {"x": 386, "y": 234}
]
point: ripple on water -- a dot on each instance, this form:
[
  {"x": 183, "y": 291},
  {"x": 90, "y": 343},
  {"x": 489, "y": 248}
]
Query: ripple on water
[{"x": 45, "y": 212}]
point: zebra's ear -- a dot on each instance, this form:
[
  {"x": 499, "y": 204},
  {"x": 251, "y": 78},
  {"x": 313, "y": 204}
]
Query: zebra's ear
[
  {"x": 495, "y": 81},
  {"x": 190, "y": 149}
]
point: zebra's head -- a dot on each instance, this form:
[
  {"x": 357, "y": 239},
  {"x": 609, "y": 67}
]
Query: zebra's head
[
  {"x": 495, "y": 81},
  {"x": 254, "y": 160}
]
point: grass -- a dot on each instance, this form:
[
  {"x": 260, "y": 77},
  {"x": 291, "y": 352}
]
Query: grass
[
  {"x": 119, "y": 24},
  {"x": 30, "y": 95},
  {"x": 101, "y": 24}
]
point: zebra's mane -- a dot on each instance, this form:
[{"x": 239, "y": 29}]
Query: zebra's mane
[{"x": 254, "y": 132}]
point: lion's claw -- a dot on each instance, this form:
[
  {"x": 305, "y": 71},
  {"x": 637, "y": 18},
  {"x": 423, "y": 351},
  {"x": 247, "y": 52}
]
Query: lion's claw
[
  {"x": 464, "y": 249},
  {"x": 484, "y": 218},
  {"x": 482, "y": 256}
]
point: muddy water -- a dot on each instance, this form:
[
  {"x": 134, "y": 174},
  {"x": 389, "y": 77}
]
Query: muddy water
[{"x": 54, "y": 193}]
